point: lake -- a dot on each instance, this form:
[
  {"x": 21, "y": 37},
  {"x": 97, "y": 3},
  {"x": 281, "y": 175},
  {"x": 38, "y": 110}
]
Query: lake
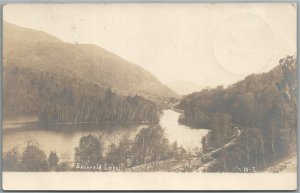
[
  {"x": 65, "y": 138},
  {"x": 186, "y": 136}
]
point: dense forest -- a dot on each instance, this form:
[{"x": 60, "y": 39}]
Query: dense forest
[
  {"x": 149, "y": 149},
  {"x": 262, "y": 106},
  {"x": 59, "y": 99},
  {"x": 255, "y": 119}
]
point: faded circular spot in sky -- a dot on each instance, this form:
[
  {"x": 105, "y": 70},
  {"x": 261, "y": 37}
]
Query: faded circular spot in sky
[{"x": 243, "y": 43}]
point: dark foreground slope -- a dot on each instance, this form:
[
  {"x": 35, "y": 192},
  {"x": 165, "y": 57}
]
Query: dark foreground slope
[{"x": 262, "y": 106}]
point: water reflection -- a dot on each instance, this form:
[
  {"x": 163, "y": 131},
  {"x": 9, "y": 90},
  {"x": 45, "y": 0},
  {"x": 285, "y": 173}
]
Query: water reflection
[
  {"x": 64, "y": 138},
  {"x": 186, "y": 136}
]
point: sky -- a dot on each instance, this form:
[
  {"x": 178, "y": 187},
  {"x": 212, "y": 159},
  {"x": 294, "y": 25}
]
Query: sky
[{"x": 208, "y": 44}]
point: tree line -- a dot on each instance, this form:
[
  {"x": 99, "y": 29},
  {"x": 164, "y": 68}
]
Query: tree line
[
  {"x": 263, "y": 106},
  {"x": 32, "y": 159},
  {"x": 148, "y": 148},
  {"x": 62, "y": 99}
]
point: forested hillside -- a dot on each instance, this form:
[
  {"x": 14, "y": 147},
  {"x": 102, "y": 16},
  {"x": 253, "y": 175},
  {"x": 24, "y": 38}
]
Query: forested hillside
[
  {"x": 60, "y": 99},
  {"x": 262, "y": 106},
  {"x": 41, "y": 51}
]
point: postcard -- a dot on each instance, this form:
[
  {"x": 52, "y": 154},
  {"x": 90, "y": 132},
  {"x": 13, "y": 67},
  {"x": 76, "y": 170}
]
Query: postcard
[{"x": 149, "y": 96}]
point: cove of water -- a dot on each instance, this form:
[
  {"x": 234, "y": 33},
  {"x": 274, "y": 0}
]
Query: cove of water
[
  {"x": 186, "y": 136},
  {"x": 63, "y": 140}
]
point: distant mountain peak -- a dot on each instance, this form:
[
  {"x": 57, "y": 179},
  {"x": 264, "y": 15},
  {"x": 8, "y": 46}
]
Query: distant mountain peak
[{"x": 184, "y": 87}]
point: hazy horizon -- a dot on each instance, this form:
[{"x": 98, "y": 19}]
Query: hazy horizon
[{"x": 224, "y": 44}]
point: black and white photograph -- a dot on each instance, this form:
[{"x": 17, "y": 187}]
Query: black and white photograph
[{"x": 149, "y": 89}]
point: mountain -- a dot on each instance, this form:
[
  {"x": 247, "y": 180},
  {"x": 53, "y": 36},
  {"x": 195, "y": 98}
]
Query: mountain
[
  {"x": 38, "y": 50},
  {"x": 60, "y": 99},
  {"x": 259, "y": 112},
  {"x": 184, "y": 87}
]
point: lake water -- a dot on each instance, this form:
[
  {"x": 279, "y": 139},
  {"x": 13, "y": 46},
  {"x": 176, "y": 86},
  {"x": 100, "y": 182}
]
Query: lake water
[
  {"x": 64, "y": 141},
  {"x": 184, "y": 135},
  {"x": 66, "y": 137}
]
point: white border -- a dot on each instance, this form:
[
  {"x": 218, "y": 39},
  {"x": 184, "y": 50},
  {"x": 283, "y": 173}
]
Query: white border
[{"x": 148, "y": 181}]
